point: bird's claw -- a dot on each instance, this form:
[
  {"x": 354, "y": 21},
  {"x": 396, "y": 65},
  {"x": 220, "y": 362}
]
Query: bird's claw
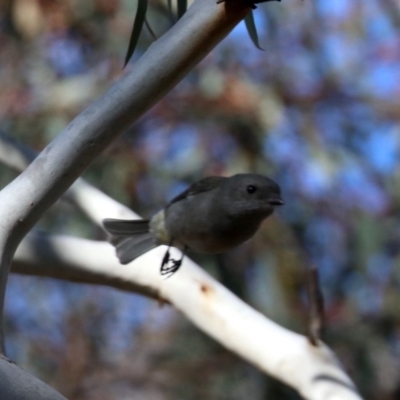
[
  {"x": 165, "y": 259},
  {"x": 169, "y": 270}
]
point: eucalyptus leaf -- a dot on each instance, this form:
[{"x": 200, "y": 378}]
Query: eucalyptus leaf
[
  {"x": 182, "y": 7},
  {"x": 137, "y": 29},
  {"x": 252, "y": 29},
  {"x": 170, "y": 10}
]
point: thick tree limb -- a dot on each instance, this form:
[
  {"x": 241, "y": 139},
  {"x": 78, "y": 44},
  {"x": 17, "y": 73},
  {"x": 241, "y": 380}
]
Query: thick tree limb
[
  {"x": 17, "y": 384},
  {"x": 166, "y": 62},
  {"x": 90, "y": 200},
  {"x": 79, "y": 260},
  {"x": 273, "y": 349},
  {"x": 312, "y": 370}
]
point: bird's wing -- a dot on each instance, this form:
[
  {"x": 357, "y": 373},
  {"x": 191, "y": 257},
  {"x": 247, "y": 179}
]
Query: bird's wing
[{"x": 204, "y": 185}]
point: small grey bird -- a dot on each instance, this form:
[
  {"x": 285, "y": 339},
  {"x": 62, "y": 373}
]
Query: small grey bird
[{"x": 213, "y": 215}]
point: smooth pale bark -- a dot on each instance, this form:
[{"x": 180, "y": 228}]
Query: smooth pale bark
[
  {"x": 90, "y": 200},
  {"x": 17, "y": 384},
  {"x": 312, "y": 370}
]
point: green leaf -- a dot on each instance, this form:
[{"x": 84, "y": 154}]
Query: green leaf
[
  {"x": 137, "y": 29},
  {"x": 182, "y": 7},
  {"x": 252, "y": 29},
  {"x": 170, "y": 10}
]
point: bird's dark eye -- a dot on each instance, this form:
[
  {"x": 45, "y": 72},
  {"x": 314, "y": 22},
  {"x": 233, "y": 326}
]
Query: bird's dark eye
[{"x": 251, "y": 189}]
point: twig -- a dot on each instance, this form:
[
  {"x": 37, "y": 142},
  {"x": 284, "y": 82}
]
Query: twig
[{"x": 316, "y": 304}]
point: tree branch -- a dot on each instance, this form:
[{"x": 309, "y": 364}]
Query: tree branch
[
  {"x": 312, "y": 370},
  {"x": 86, "y": 261},
  {"x": 17, "y": 384},
  {"x": 164, "y": 64},
  {"x": 90, "y": 200},
  {"x": 79, "y": 260}
]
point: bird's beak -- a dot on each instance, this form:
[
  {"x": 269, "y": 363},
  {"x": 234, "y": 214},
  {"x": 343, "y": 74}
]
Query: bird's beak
[{"x": 276, "y": 201}]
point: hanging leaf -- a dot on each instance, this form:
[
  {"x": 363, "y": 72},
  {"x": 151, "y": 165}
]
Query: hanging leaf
[
  {"x": 170, "y": 13},
  {"x": 137, "y": 29},
  {"x": 253, "y": 3},
  {"x": 251, "y": 28},
  {"x": 150, "y": 29},
  {"x": 182, "y": 7}
]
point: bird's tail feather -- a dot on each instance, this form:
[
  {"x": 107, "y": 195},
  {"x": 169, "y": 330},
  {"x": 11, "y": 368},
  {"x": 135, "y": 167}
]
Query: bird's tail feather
[{"x": 131, "y": 238}]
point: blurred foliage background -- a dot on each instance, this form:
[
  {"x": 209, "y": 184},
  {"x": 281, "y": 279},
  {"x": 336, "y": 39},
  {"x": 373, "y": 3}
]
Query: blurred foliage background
[{"x": 318, "y": 111}]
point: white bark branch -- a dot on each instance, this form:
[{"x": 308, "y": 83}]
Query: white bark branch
[
  {"x": 78, "y": 260},
  {"x": 312, "y": 370}
]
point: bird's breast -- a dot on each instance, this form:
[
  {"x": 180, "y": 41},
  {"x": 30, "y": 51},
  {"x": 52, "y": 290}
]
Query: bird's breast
[{"x": 212, "y": 235}]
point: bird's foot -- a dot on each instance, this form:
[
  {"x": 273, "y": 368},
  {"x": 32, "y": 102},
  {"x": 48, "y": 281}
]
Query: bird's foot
[
  {"x": 165, "y": 259},
  {"x": 168, "y": 270}
]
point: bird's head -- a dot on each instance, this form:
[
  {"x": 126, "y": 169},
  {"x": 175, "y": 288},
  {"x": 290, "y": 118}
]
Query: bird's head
[{"x": 251, "y": 195}]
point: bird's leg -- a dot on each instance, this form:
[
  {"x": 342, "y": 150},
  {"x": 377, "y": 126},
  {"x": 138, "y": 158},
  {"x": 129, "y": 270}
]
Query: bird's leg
[
  {"x": 166, "y": 258},
  {"x": 176, "y": 264}
]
